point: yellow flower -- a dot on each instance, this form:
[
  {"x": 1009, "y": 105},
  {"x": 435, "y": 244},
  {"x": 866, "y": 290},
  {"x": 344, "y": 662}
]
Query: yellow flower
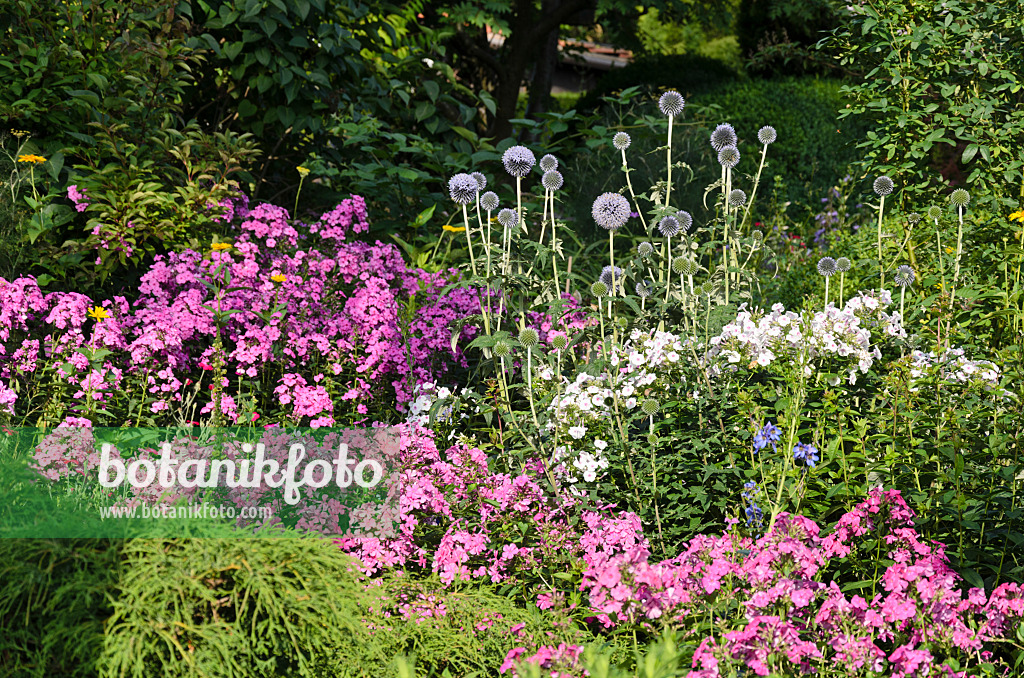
[
  {"x": 218, "y": 246},
  {"x": 279, "y": 278},
  {"x": 19, "y": 132},
  {"x": 98, "y": 313},
  {"x": 303, "y": 171},
  {"x": 34, "y": 159},
  {"x": 454, "y": 229},
  {"x": 1018, "y": 216},
  {"x": 949, "y": 250}
]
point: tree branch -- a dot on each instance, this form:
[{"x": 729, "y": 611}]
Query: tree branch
[{"x": 552, "y": 21}]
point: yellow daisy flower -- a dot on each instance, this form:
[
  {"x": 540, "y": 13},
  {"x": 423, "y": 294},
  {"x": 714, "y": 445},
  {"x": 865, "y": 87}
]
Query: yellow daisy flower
[
  {"x": 34, "y": 159},
  {"x": 454, "y": 229},
  {"x": 1017, "y": 216},
  {"x": 98, "y": 313},
  {"x": 278, "y": 278},
  {"x": 218, "y": 246}
]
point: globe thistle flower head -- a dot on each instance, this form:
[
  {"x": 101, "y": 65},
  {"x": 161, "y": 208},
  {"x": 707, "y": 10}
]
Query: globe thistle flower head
[
  {"x": 671, "y": 103},
  {"x": 599, "y": 289},
  {"x": 960, "y": 197},
  {"x": 610, "y": 211},
  {"x": 644, "y": 289},
  {"x": 724, "y": 135},
  {"x": 691, "y": 267},
  {"x": 489, "y": 201},
  {"x": 463, "y": 188},
  {"x": 548, "y": 163},
  {"x": 552, "y": 180},
  {"x": 757, "y": 237},
  {"x": 559, "y": 340},
  {"x": 729, "y": 156},
  {"x": 707, "y": 288},
  {"x": 507, "y": 217},
  {"x": 621, "y": 141},
  {"x": 649, "y": 406},
  {"x": 518, "y": 161},
  {"x": 528, "y": 337},
  {"x": 904, "y": 276},
  {"x": 481, "y": 180},
  {"x": 827, "y": 266},
  {"x": 934, "y": 212},
  {"x": 913, "y": 218},
  {"x": 680, "y": 265},
  {"x": 606, "y": 277},
  {"x": 669, "y": 226},
  {"x": 883, "y": 186},
  {"x": 737, "y": 198},
  {"x": 685, "y": 220},
  {"x": 502, "y": 349},
  {"x": 843, "y": 264},
  {"x": 766, "y": 135},
  {"x": 645, "y": 250}
]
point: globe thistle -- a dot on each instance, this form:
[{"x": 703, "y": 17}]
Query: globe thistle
[
  {"x": 599, "y": 289},
  {"x": 518, "y": 161},
  {"x": 913, "y": 218},
  {"x": 649, "y": 406},
  {"x": 528, "y": 337},
  {"x": 691, "y": 267},
  {"x": 621, "y": 141},
  {"x": 680, "y": 265},
  {"x": 606, "y": 276},
  {"x": 463, "y": 188},
  {"x": 904, "y": 276},
  {"x": 827, "y": 266},
  {"x": 757, "y": 237},
  {"x": 489, "y": 201},
  {"x": 960, "y": 197},
  {"x": 843, "y": 264},
  {"x": 644, "y": 289},
  {"x": 707, "y": 288},
  {"x": 934, "y": 212},
  {"x": 684, "y": 219},
  {"x": 548, "y": 163},
  {"x": 724, "y": 135},
  {"x": 611, "y": 211},
  {"x": 552, "y": 180},
  {"x": 481, "y": 180},
  {"x": 645, "y": 250},
  {"x": 559, "y": 341},
  {"x": 502, "y": 349},
  {"x": 737, "y": 198},
  {"x": 508, "y": 217},
  {"x": 729, "y": 156},
  {"x": 669, "y": 226},
  {"x": 766, "y": 135},
  {"x": 671, "y": 103},
  {"x": 883, "y": 186}
]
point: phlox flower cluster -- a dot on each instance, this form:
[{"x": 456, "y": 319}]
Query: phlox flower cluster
[
  {"x": 843, "y": 336},
  {"x": 337, "y": 328},
  {"x": 952, "y": 366},
  {"x": 558, "y": 662}
]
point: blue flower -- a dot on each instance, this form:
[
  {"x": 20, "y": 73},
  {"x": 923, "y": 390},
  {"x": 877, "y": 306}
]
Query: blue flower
[
  {"x": 769, "y": 435},
  {"x": 806, "y": 453},
  {"x": 755, "y": 516}
]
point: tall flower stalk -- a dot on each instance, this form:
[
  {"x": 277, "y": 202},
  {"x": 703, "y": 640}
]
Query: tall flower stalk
[
  {"x": 671, "y": 104},
  {"x": 961, "y": 199},
  {"x": 883, "y": 186},
  {"x": 766, "y": 135}
]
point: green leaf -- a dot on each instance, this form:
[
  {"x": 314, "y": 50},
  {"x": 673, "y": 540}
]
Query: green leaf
[
  {"x": 432, "y": 88},
  {"x": 969, "y": 153}
]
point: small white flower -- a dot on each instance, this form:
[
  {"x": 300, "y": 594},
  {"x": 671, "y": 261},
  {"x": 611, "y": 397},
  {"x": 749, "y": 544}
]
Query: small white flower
[
  {"x": 577, "y": 432},
  {"x": 600, "y": 444}
]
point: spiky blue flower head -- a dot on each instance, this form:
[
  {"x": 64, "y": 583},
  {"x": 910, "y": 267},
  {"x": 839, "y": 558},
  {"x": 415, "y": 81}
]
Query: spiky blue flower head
[
  {"x": 770, "y": 434},
  {"x": 843, "y": 264},
  {"x": 724, "y": 135},
  {"x": 463, "y": 188},
  {"x": 611, "y": 211},
  {"x": 729, "y": 156},
  {"x": 606, "y": 277},
  {"x": 669, "y": 226},
  {"x": 904, "y": 276},
  {"x": 518, "y": 161},
  {"x": 684, "y": 219},
  {"x": 508, "y": 217},
  {"x": 671, "y": 103},
  {"x": 883, "y": 186},
  {"x": 827, "y": 266},
  {"x": 766, "y": 135},
  {"x": 960, "y": 197},
  {"x": 645, "y": 250},
  {"x": 489, "y": 201},
  {"x": 552, "y": 180},
  {"x": 528, "y": 337},
  {"x": 548, "y": 163},
  {"x": 806, "y": 453},
  {"x": 644, "y": 289},
  {"x": 737, "y": 198},
  {"x": 621, "y": 141},
  {"x": 481, "y": 180}
]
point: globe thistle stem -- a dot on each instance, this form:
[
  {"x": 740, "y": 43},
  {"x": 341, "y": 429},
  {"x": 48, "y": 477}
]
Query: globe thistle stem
[
  {"x": 903, "y": 293},
  {"x": 725, "y": 236},
  {"x": 942, "y": 264},
  {"x": 519, "y": 213},
  {"x": 757, "y": 180},
  {"x": 554, "y": 252},
  {"x": 668, "y": 263},
  {"x": 827, "y": 278},
  {"x": 959, "y": 248},
  {"x": 842, "y": 288},
  {"x": 668, "y": 186},
  {"x": 629, "y": 183},
  {"x": 472, "y": 263},
  {"x": 881, "y": 208},
  {"x": 611, "y": 257}
]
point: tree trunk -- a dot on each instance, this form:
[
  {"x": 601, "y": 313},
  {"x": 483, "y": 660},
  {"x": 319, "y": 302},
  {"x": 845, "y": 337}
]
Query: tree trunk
[{"x": 544, "y": 70}]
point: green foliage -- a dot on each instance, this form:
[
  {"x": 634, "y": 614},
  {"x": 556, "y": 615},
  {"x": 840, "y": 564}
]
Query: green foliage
[
  {"x": 940, "y": 83},
  {"x": 772, "y": 32}
]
